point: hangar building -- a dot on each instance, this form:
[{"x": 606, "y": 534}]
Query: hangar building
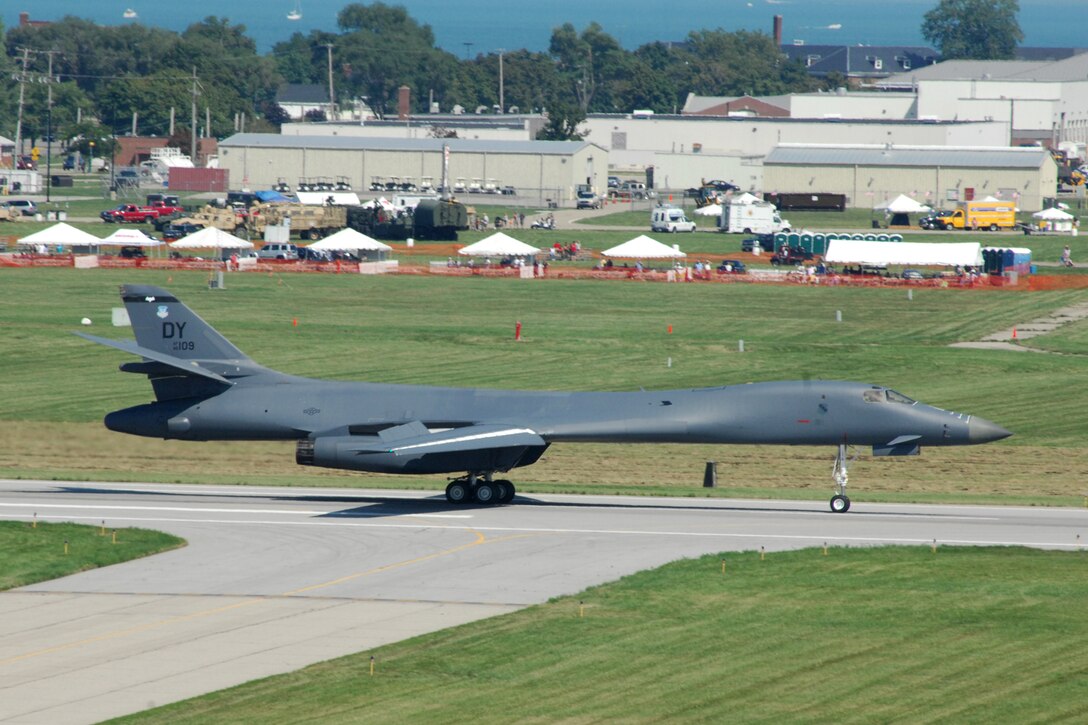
[
  {"x": 542, "y": 169},
  {"x": 936, "y": 175}
]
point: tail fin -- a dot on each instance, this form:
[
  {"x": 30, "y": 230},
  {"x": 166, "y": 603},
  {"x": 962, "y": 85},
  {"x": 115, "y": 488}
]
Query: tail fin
[
  {"x": 163, "y": 324},
  {"x": 183, "y": 356}
]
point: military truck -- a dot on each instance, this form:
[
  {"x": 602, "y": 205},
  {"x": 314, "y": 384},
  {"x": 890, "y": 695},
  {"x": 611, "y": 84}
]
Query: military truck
[
  {"x": 307, "y": 221},
  {"x": 431, "y": 219}
]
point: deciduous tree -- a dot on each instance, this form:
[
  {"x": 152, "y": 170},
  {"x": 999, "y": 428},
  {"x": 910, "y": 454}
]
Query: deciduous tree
[{"x": 975, "y": 29}]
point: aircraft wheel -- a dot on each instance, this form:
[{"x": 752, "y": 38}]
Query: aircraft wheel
[
  {"x": 486, "y": 493},
  {"x": 506, "y": 491},
  {"x": 457, "y": 492},
  {"x": 840, "y": 504}
]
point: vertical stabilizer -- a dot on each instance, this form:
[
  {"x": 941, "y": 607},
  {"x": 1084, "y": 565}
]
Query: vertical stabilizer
[{"x": 165, "y": 325}]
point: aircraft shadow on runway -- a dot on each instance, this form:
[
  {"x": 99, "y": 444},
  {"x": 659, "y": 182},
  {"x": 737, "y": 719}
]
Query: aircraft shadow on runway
[{"x": 373, "y": 506}]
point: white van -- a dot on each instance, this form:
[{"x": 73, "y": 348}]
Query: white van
[
  {"x": 670, "y": 219},
  {"x": 278, "y": 251}
]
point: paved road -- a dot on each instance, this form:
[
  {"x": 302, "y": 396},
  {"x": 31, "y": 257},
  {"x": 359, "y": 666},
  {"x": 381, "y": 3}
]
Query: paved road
[{"x": 274, "y": 579}]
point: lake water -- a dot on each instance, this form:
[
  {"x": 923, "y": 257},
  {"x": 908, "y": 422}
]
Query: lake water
[{"x": 469, "y": 27}]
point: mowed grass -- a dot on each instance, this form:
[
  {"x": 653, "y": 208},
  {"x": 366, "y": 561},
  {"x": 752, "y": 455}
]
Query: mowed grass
[
  {"x": 35, "y": 553},
  {"x": 970, "y": 635},
  {"x": 577, "y": 335}
]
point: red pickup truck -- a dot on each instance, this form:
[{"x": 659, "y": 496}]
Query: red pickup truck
[{"x": 135, "y": 214}]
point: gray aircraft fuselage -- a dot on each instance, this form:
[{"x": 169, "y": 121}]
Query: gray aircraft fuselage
[{"x": 207, "y": 389}]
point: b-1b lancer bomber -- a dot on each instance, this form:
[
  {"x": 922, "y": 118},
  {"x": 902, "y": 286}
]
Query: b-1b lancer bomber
[{"x": 207, "y": 389}]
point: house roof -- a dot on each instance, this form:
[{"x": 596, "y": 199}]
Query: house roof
[
  {"x": 1073, "y": 68},
  {"x": 356, "y": 143},
  {"x": 302, "y": 93},
  {"x": 861, "y": 61},
  {"x": 696, "y": 104},
  {"x": 999, "y": 157}
]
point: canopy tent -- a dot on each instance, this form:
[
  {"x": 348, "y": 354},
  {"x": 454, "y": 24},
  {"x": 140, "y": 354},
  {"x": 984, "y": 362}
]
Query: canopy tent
[
  {"x": 900, "y": 208},
  {"x": 745, "y": 198},
  {"x": 320, "y": 198},
  {"x": 1053, "y": 215},
  {"x": 270, "y": 196},
  {"x": 129, "y": 238},
  {"x": 903, "y": 204},
  {"x": 380, "y": 203},
  {"x": 714, "y": 210},
  {"x": 1054, "y": 220},
  {"x": 499, "y": 245},
  {"x": 211, "y": 238},
  {"x": 61, "y": 234},
  {"x": 349, "y": 240},
  {"x": 643, "y": 247},
  {"x": 881, "y": 254}
]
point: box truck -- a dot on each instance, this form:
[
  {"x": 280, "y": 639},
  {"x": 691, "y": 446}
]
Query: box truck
[
  {"x": 757, "y": 217},
  {"x": 992, "y": 215}
]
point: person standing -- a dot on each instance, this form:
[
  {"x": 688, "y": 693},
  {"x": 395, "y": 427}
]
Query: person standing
[{"x": 1067, "y": 257}]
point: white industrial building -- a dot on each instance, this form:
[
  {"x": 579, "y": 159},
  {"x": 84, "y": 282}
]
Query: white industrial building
[
  {"x": 489, "y": 127},
  {"x": 935, "y": 175},
  {"x": 542, "y": 169},
  {"x": 686, "y": 149},
  {"x": 1041, "y": 101}
]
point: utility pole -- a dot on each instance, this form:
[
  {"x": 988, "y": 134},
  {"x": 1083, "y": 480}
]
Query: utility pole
[
  {"x": 502, "y": 105},
  {"x": 332, "y": 90},
  {"x": 192, "y": 129},
  {"x": 19, "y": 121},
  {"x": 49, "y": 129}
]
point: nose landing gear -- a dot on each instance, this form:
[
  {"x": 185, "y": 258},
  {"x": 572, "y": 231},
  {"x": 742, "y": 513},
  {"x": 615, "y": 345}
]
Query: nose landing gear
[{"x": 840, "y": 503}]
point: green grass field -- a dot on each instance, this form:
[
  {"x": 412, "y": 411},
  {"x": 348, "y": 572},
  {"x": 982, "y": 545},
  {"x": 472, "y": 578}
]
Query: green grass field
[
  {"x": 859, "y": 635},
  {"x": 578, "y": 335},
  {"x": 37, "y": 553}
]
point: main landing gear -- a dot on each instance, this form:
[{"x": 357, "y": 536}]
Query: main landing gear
[
  {"x": 481, "y": 489},
  {"x": 840, "y": 503}
]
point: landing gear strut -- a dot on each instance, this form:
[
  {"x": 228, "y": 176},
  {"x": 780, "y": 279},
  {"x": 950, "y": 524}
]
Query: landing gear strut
[
  {"x": 840, "y": 503},
  {"x": 481, "y": 489}
]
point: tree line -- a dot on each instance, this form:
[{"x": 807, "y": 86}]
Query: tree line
[{"x": 102, "y": 75}]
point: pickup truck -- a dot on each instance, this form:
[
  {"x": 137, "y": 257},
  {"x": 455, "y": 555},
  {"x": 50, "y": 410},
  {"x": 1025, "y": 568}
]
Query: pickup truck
[{"x": 135, "y": 214}]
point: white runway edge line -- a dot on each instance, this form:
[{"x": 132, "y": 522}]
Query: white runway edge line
[
  {"x": 612, "y": 532},
  {"x": 202, "y": 509}
]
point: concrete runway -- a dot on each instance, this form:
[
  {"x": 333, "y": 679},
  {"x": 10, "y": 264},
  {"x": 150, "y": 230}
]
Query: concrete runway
[{"x": 274, "y": 579}]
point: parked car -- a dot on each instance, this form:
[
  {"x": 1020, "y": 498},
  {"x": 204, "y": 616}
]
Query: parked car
[
  {"x": 934, "y": 221},
  {"x": 174, "y": 232},
  {"x": 613, "y": 182},
  {"x": 732, "y": 266},
  {"x": 588, "y": 200},
  {"x": 25, "y": 206},
  {"x": 278, "y": 251},
  {"x": 762, "y": 242}
]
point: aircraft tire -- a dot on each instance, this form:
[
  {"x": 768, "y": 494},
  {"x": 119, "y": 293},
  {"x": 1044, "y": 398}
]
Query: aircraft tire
[
  {"x": 486, "y": 493},
  {"x": 457, "y": 492},
  {"x": 840, "y": 504},
  {"x": 506, "y": 491}
]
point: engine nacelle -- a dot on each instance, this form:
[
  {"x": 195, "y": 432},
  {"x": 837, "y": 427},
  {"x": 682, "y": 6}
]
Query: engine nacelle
[{"x": 375, "y": 455}]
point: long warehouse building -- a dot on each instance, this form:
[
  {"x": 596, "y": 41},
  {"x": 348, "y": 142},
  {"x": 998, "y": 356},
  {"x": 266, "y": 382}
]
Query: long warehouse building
[
  {"x": 935, "y": 175},
  {"x": 535, "y": 169}
]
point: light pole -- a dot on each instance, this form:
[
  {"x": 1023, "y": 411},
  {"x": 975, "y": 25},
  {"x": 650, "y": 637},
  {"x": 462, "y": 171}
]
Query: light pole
[{"x": 90, "y": 161}]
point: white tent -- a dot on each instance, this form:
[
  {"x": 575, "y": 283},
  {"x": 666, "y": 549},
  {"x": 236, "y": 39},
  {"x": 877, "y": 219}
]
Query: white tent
[
  {"x": 1054, "y": 220},
  {"x": 499, "y": 245},
  {"x": 903, "y": 204},
  {"x": 129, "y": 238},
  {"x": 349, "y": 240},
  {"x": 61, "y": 234},
  {"x": 643, "y": 247},
  {"x": 211, "y": 238},
  {"x": 881, "y": 254},
  {"x": 1053, "y": 215},
  {"x": 714, "y": 210},
  {"x": 320, "y": 198},
  {"x": 745, "y": 198}
]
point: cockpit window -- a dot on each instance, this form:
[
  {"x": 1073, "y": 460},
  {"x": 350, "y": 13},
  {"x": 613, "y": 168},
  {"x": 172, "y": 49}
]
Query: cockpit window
[
  {"x": 894, "y": 397},
  {"x": 879, "y": 395}
]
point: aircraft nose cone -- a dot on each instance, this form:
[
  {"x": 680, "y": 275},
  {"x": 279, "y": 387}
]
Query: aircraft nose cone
[{"x": 980, "y": 430}]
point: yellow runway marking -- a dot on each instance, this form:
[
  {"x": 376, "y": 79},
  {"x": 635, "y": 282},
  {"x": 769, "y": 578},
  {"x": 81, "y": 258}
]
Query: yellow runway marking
[{"x": 480, "y": 539}]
